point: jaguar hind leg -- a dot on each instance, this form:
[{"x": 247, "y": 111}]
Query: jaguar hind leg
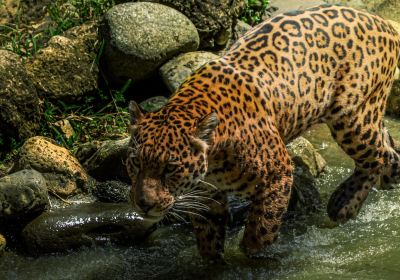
[{"x": 363, "y": 140}]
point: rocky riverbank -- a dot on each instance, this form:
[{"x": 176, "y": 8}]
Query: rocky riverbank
[{"x": 61, "y": 188}]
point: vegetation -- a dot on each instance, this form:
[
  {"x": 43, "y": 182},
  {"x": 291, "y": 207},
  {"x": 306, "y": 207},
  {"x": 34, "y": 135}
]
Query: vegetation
[
  {"x": 101, "y": 116},
  {"x": 254, "y": 11}
]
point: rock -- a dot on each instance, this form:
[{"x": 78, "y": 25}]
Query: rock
[
  {"x": 20, "y": 109},
  {"x": 358, "y": 4},
  {"x": 3, "y": 244},
  {"x": 388, "y": 9},
  {"x": 393, "y": 103},
  {"x": 85, "y": 225},
  {"x": 140, "y": 37},
  {"x": 175, "y": 71},
  {"x": 22, "y": 11},
  {"x": 64, "y": 174},
  {"x": 153, "y": 103},
  {"x": 282, "y": 6},
  {"x": 214, "y": 19},
  {"x": 86, "y": 35},
  {"x": 63, "y": 71},
  {"x": 108, "y": 162},
  {"x": 23, "y": 197},
  {"x": 86, "y": 150},
  {"x": 111, "y": 191},
  {"x": 308, "y": 164},
  {"x": 305, "y": 156}
]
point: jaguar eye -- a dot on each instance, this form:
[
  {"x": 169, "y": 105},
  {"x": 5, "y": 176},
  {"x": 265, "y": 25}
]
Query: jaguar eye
[{"x": 170, "y": 167}]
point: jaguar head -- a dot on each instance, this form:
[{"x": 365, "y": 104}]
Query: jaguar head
[{"x": 167, "y": 158}]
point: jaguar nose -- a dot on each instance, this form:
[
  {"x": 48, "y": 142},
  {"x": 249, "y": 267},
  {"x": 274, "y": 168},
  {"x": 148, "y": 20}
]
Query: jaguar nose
[{"x": 144, "y": 205}]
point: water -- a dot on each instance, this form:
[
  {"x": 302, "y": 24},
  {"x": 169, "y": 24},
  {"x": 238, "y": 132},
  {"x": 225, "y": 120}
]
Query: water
[{"x": 367, "y": 247}]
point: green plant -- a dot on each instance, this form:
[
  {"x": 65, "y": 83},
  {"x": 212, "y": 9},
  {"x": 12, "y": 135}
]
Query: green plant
[
  {"x": 254, "y": 11},
  {"x": 64, "y": 14}
]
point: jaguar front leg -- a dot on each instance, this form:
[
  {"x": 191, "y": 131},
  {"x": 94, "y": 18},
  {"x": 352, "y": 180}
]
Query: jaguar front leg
[
  {"x": 209, "y": 227},
  {"x": 269, "y": 204}
]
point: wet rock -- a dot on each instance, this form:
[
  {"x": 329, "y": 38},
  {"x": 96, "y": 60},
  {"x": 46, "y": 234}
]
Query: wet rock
[
  {"x": 214, "y": 19},
  {"x": 3, "y": 244},
  {"x": 63, "y": 71},
  {"x": 140, "y": 37},
  {"x": 111, "y": 191},
  {"x": 63, "y": 173},
  {"x": 23, "y": 196},
  {"x": 85, "y": 225},
  {"x": 175, "y": 71},
  {"x": 308, "y": 164},
  {"x": 393, "y": 103},
  {"x": 305, "y": 156},
  {"x": 282, "y": 6},
  {"x": 108, "y": 162},
  {"x": 20, "y": 108}
]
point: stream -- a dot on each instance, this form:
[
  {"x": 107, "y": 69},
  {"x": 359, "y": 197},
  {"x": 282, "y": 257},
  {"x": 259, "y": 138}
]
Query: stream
[{"x": 367, "y": 247}]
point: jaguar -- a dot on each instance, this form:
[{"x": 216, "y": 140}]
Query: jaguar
[{"x": 224, "y": 130}]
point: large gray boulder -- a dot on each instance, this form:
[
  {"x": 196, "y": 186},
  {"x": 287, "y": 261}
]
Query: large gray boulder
[
  {"x": 23, "y": 196},
  {"x": 85, "y": 225},
  {"x": 175, "y": 71},
  {"x": 214, "y": 19},
  {"x": 20, "y": 108},
  {"x": 63, "y": 71},
  {"x": 140, "y": 37}
]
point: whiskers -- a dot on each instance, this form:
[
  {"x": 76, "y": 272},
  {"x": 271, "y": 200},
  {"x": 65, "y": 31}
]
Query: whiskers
[{"x": 194, "y": 202}]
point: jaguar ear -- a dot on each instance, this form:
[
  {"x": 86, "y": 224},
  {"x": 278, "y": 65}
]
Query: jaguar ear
[
  {"x": 135, "y": 115},
  {"x": 206, "y": 127}
]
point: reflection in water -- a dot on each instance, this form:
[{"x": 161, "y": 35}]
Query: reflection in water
[{"x": 365, "y": 248}]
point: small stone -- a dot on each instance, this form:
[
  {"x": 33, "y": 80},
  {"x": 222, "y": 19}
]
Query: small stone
[
  {"x": 141, "y": 36},
  {"x": 64, "y": 174},
  {"x": 175, "y": 71},
  {"x": 108, "y": 162},
  {"x": 306, "y": 157},
  {"x": 66, "y": 128},
  {"x": 3, "y": 244},
  {"x": 153, "y": 103}
]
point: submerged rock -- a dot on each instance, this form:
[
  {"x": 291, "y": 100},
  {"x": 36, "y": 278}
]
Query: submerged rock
[
  {"x": 175, "y": 71},
  {"x": 23, "y": 196},
  {"x": 140, "y": 37},
  {"x": 20, "y": 109},
  {"x": 85, "y": 225},
  {"x": 108, "y": 162},
  {"x": 64, "y": 70},
  {"x": 63, "y": 173}
]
